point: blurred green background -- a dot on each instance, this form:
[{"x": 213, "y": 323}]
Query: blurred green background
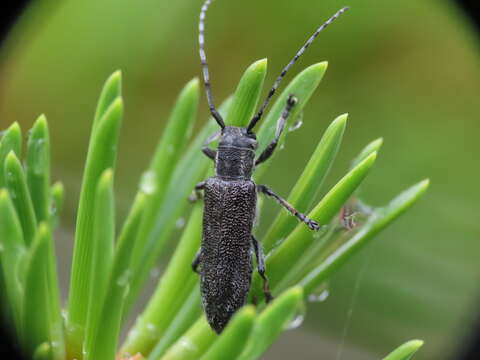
[{"x": 405, "y": 70}]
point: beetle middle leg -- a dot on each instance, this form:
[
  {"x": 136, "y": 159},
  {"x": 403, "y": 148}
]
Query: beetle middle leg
[
  {"x": 313, "y": 225},
  {"x": 196, "y": 193},
  {"x": 196, "y": 261},
  {"x": 261, "y": 269}
]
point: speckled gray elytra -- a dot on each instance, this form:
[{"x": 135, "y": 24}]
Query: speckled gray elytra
[{"x": 224, "y": 260}]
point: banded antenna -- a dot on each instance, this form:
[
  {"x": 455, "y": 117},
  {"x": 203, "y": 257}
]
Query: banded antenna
[
  {"x": 275, "y": 86},
  {"x": 203, "y": 57}
]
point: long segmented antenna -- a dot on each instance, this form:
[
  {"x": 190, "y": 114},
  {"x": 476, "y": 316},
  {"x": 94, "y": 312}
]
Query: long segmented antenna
[
  {"x": 274, "y": 88},
  {"x": 203, "y": 58}
]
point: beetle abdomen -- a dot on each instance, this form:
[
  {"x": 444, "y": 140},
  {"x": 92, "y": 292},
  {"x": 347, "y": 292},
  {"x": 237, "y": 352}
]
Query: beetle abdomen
[{"x": 226, "y": 264}]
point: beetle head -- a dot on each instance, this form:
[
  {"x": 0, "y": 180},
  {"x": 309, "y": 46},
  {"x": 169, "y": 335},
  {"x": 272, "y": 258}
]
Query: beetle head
[{"x": 237, "y": 137}]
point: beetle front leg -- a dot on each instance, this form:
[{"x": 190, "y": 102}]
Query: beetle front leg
[
  {"x": 313, "y": 225},
  {"x": 265, "y": 155},
  {"x": 261, "y": 269},
  {"x": 196, "y": 193},
  {"x": 206, "y": 150}
]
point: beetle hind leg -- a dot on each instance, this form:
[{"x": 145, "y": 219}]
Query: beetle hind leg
[
  {"x": 312, "y": 225},
  {"x": 261, "y": 269},
  {"x": 197, "y": 192}
]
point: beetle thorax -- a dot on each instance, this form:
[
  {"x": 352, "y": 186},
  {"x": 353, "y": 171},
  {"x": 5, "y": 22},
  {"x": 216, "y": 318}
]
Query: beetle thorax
[{"x": 236, "y": 154}]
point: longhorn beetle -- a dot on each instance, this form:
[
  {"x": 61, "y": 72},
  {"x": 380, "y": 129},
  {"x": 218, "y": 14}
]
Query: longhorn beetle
[{"x": 230, "y": 197}]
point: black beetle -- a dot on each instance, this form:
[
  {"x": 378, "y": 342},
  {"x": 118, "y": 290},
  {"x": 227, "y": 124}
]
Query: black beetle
[{"x": 230, "y": 198}]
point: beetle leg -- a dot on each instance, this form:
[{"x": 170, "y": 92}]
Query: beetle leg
[
  {"x": 209, "y": 152},
  {"x": 313, "y": 225},
  {"x": 206, "y": 150},
  {"x": 196, "y": 193},
  {"x": 261, "y": 268},
  {"x": 265, "y": 155},
  {"x": 196, "y": 261}
]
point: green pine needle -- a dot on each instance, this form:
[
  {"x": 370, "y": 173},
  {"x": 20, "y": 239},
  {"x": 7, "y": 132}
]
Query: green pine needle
[
  {"x": 101, "y": 156},
  {"x": 10, "y": 141},
  {"x": 16, "y": 183},
  {"x": 247, "y": 95},
  {"x": 405, "y": 351}
]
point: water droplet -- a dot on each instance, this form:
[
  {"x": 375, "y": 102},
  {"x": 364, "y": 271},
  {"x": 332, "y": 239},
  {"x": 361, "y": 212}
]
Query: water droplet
[
  {"x": 126, "y": 291},
  {"x": 53, "y": 208},
  {"x": 278, "y": 242},
  {"x": 180, "y": 223},
  {"x": 133, "y": 334},
  {"x": 298, "y": 319},
  {"x": 296, "y": 322},
  {"x": 148, "y": 182},
  {"x": 72, "y": 329},
  {"x": 1, "y": 247},
  {"x": 187, "y": 344},
  {"x": 152, "y": 330},
  {"x": 155, "y": 272},
  {"x": 124, "y": 278},
  {"x": 282, "y": 146},
  {"x": 40, "y": 153},
  {"x": 319, "y": 297},
  {"x": 296, "y": 125}
]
